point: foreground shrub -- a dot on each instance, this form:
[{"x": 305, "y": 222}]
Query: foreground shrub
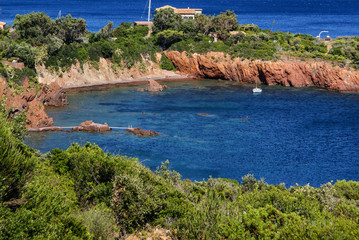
[{"x": 100, "y": 222}]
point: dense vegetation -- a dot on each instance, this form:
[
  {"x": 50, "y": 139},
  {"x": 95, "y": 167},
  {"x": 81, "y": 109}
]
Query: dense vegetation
[
  {"x": 37, "y": 39},
  {"x": 85, "y": 193}
]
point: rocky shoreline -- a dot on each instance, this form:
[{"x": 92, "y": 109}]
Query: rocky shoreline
[
  {"x": 213, "y": 65},
  {"x": 291, "y": 72}
]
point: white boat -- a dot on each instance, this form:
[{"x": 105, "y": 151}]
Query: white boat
[{"x": 257, "y": 89}]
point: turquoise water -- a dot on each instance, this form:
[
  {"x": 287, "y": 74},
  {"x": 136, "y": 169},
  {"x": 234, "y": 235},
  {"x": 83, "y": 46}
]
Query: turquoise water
[{"x": 292, "y": 135}]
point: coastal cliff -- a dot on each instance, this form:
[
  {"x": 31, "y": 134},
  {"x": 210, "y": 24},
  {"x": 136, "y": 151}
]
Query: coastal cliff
[
  {"x": 106, "y": 73},
  {"x": 292, "y": 72},
  {"x": 32, "y": 101}
]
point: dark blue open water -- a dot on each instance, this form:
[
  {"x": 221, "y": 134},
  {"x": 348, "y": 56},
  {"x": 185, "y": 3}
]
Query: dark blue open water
[
  {"x": 292, "y": 135},
  {"x": 339, "y": 17}
]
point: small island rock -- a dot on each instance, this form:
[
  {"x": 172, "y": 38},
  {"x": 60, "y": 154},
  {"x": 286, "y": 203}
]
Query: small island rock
[
  {"x": 142, "y": 132},
  {"x": 90, "y": 126},
  {"x": 154, "y": 86}
]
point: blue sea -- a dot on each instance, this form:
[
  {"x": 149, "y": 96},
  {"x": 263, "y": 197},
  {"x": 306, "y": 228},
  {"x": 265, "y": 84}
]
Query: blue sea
[
  {"x": 292, "y": 135},
  {"x": 339, "y": 17},
  {"x": 284, "y": 135}
]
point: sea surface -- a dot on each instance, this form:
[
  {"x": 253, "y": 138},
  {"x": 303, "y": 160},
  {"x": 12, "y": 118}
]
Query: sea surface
[
  {"x": 284, "y": 135},
  {"x": 339, "y": 17}
]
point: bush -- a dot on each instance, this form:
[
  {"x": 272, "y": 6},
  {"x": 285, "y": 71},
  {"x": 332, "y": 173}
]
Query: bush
[
  {"x": 166, "y": 64},
  {"x": 17, "y": 160},
  {"x": 100, "y": 222}
]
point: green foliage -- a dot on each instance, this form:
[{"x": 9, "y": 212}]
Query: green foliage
[
  {"x": 127, "y": 30},
  {"x": 349, "y": 190},
  {"x": 26, "y": 53},
  {"x": 100, "y": 222},
  {"x": 36, "y": 27},
  {"x": 224, "y": 23},
  {"x": 166, "y": 64},
  {"x": 105, "y": 32},
  {"x": 203, "y": 23},
  {"x": 16, "y": 159},
  {"x": 167, "y": 37},
  {"x": 166, "y": 19},
  {"x": 33, "y": 26},
  {"x": 141, "y": 197},
  {"x": 112, "y": 190},
  {"x": 14, "y": 76},
  {"x": 46, "y": 213},
  {"x": 91, "y": 170}
]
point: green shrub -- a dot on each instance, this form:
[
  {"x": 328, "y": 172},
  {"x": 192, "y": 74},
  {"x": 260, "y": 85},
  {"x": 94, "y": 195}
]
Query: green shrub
[
  {"x": 100, "y": 222},
  {"x": 166, "y": 64},
  {"x": 17, "y": 160}
]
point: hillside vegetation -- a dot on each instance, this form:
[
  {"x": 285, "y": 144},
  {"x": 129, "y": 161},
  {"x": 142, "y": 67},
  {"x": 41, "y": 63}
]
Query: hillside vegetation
[
  {"x": 35, "y": 38},
  {"x": 85, "y": 193}
]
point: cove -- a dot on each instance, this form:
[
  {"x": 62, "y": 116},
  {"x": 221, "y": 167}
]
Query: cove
[{"x": 284, "y": 135}]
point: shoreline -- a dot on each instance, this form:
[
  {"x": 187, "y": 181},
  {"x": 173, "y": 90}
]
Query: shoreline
[{"x": 133, "y": 82}]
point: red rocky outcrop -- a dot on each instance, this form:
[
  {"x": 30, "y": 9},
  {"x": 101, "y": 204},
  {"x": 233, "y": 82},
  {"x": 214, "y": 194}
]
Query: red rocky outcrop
[
  {"x": 33, "y": 101},
  {"x": 293, "y": 73},
  {"x": 90, "y": 126},
  {"x": 154, "y": 86},
  {"x": 141, "y": 132}
]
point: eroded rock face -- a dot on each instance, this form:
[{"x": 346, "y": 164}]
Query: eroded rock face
[
  {"x": 141, "y": 132},
  {"x": 90, "y": 126},
  {"x": 33, "y": 101},
  {"x": 293, "y": 73},
  {"x": 87, "y": 75}
]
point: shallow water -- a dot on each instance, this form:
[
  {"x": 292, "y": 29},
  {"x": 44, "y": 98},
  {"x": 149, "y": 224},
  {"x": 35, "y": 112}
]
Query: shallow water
[{"x": 292, "y": 135}]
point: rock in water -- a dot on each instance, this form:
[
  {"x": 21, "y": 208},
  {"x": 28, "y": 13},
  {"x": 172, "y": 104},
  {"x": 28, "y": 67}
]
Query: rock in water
[
  {"x": 90, "y": 126},
  {"x": 142, "y": 132},
  {"x": 154, "y": 86}
]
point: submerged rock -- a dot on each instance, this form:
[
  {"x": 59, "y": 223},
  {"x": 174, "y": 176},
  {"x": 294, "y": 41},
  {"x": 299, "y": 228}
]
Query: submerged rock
[
  {"x": 90, "y": 126},
  {"x": 140, "y": 89},
  {"x": 142, "y": 132}
]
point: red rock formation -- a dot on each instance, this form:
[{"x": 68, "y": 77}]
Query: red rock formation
[
  {"x": 141, "y": 132},
  {"x": 288, "y": 73},
  {"x": 154, "y": 86},
  {"x": 33, "y": 102},
  {"x": 90, "y": 126}
]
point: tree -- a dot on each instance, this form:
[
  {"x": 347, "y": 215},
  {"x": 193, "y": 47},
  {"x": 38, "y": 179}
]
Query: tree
[
  {"x": 33, "y": 26},
  {"x": 69, "y": 29},
  {"x": 204, "y": 23},
  {"x": 26, "y": 53},
  {"x": 106, "y": 31},
  {"x": 166, "y": 19},
  {"x": 224, "y": 23},
  {"x": 167, "y": 37}
]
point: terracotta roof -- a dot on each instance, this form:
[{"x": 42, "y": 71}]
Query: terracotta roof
[{"x": 185, "y": 11}]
